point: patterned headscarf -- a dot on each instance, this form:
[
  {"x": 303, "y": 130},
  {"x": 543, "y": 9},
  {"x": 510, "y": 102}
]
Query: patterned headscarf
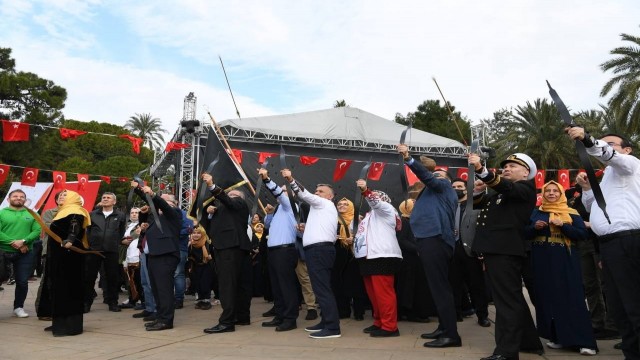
[{"x": 383, "y": 196}]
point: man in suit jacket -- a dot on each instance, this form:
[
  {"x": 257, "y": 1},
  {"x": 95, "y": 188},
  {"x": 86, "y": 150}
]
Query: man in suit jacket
[
  {"x": 162, "y": 251},
  {"x": 226, "y": 224},
  {"x": 500, "y": 238}
]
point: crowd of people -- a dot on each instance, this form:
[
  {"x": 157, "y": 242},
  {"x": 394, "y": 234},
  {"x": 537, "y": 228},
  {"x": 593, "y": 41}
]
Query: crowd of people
[{"x": 447, "y": 252}]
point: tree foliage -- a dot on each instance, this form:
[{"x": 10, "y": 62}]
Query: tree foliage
[
  {"x": 148, "y": 128},
  {"x": 432, "y": 117}
]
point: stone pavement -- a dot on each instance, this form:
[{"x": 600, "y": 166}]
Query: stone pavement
[{"x": 110, "y": 335}]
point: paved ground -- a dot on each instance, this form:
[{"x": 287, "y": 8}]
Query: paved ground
[{"x": 118, "y": 336}]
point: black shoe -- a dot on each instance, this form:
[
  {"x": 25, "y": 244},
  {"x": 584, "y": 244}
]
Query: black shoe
[
  {"x": 384, "y": 333},
  {"x": 242, "y": 322},
  {"x": 273, "y": 323},
  {"x": 537, "y": 351},
  {"x": 370, "y": 329},
  {"x": 151, "y": 317},
  {"x": 126, "y": 306},
  {"x": 270, "y": 313},
  {"x": 359, "y": 317},
  {"x": 312, "y": 314},
  {"x": 203, "y": 305},
  {"x": 444, "y": 342},
  {"x": 286, "y": 326},
  {"x": 142, "y": 314},
  {"x": 114, "y": 308},
  {"x": 151, "y": 323},
  {"x": 484, "y": 322},
  {"x": 432, "y": 335},
  {"x": 158, "y": 326},
  {"x": 179, "y": 304},
  {"x": 500, "y": 357},
  {"x": 139, "y": 306},
  {"x": 220, "y": 329},
  {"x": 49, "y": 328},
  {"x": 87, "y": 308},
  {"x": 459, "y": 318},
  {"x": 618, "y": 346},
  {"x": 468, "y": 313}
]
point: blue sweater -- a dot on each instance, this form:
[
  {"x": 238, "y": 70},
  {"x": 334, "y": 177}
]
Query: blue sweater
[{"x": 434, "y": 210}]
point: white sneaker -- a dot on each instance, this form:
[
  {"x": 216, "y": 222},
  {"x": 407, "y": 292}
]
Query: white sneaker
[
  {"x": 19, "y": 312},
  {"x": 552, "y": 345},
  {"x": 587, "y": 351}
]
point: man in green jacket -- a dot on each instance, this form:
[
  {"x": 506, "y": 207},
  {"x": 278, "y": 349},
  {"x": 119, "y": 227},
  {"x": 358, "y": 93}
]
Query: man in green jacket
[{"x": 18, "y": 231}]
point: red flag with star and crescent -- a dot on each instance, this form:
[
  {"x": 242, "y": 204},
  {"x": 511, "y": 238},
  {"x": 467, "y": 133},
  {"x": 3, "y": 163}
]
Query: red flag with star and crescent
[
  {"x": 4, "y": 172},
  {"x": 135, "y": 142},
  {"x": 375, "y": 171},
  {"x": 83, "y": 179},
  {"x": 563, "y": 178},
  {"x": 463, "y": 173},
  {"x": 15, "y": 131},
  {"x": 411, "y": 177},
  {"x": 308, "y": 160},
  {"x": 59, "y": 180},
  {"x": 341, "y": 169},
  {"x": 71, "y": 133},
  {"x": 539, "y": 179},
  {"x": 29, "y": 177}
]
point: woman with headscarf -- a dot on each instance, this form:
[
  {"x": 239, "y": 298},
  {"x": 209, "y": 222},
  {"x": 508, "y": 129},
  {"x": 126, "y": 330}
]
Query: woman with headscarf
[
  {"x": 201, "y": 266},
  {"x": 346, "y": 281},
  {"x": 379, "y": 258},
  {"x": 561, "y": 314},
  {"x": 65, "y": 268},
  {"x": 413, "y": 295}
]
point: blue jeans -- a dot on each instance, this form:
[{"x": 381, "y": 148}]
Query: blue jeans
[
  {"x": 149, "y": 300},
  {"x": 22, "y": 269},
  {"x": 179, "y": 281}
]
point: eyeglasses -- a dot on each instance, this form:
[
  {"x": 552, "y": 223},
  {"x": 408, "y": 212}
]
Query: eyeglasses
[{"x": 611, "y": 143}]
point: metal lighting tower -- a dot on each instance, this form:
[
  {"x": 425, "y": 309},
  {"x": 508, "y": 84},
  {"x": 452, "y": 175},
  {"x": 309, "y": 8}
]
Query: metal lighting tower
[{"x": 187, "y": 161}]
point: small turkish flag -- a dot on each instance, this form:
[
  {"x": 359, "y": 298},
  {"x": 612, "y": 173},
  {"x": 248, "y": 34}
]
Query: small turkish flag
[
  {"x": 59, "y": 180},
  {"x": 123, "y": 179},
  {"x": 106, "y": 179},
  {"x": 15, "y": 131},
  {"x": 70, "y": 133},
  {"x": 135, "y": 142},
  {"x": 563, "y": 178},
  {"x": 538, "y": 199},
  {"x": 341, "y": 169},
  {"x": 163, "y": 186},
  {"x": 599, "y": 172},
  {"x": 411, "y": 177},
  {"x": 375, "y": 171},
  {"x": 539, "y": 179},
  {"x": 83, "y": 179},
  {"x": 237, "y": 153},
  {"x": 264, "y": 156},
  {"x": 442, "y": 168},
  {"x": 175, "y": 146},
  {"x": 308, "y": 160},
  {"x": 29, "y": 177},
  {"x": 463, "y": 173},
  {"x": 4, "y": 172}
]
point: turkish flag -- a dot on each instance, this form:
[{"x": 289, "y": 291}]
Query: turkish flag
[
  {"x": 411, "y": 177},
  {"x": 375, "y": 171},
  {"x": 539, "y": 179},
  {"x": 538, "y": 199},
  {"x": 341, "y": 169},
  {"x": 70, "y": 133},
  {"x": 83, "y": 179},
  {"x": 15, "y": 131},
  {"x": 163, "y": 186},
  {"x": 463, "y": 173},
  {"x": 599, "y": 172},
  {"x": 59, "y": 180},
  {"x": 29, "y": 177},
  {"x": 4, "y": 172},
  {"x": 563, "y": 178},
  {"x": 308, "y": 160},
  {"x": 175, "y": 146},
  {"x": 106, "y": 179},
  {"x": 442, "y": 168},
  {"x": 135, "y": 142},
  {"x": 264, "y": 156},
  {"x": 237, "y": 153},
  {"x": 123, "y": 179}
]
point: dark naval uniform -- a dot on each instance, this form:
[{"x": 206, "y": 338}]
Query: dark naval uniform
[{"x": 504, "y": 213}]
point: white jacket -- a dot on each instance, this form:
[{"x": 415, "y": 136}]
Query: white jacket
[{"x": 376, "y": 235}]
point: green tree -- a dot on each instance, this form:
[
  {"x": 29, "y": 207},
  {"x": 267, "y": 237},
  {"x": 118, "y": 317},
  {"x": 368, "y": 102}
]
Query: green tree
[
  {"x": 147, "y": 127},
  {"x": 340, "y": 103},
  {"x": 625, "y": 101},
  {"x": 432, "y": 117}
]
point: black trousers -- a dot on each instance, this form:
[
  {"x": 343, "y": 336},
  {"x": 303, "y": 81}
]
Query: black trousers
[
  {"x": 468, "y": 270},
  {"x": 112, "y": 271},
  {"x": 320, "y": 261},
  {"x": 282, "y": 270},
  {"x": 161, "y": 270},
  {"x": 515, "y": 330},
  {"x": 233, "y": 267},
  {"x": 621, "y": 271},
  {"x": 436, "y": 256}
]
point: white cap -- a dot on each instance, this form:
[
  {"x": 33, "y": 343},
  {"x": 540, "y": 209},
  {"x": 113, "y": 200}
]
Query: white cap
[{"x": 524, "y": 160}]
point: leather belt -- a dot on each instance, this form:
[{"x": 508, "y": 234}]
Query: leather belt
[
  {"x": 322, "y": 243},
  {"x": 283, "y": 246},
  {"x": 619, "y": 234}
]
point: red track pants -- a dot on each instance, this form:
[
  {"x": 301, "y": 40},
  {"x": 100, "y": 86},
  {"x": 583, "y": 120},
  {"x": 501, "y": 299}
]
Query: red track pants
[{"x": 383, "y": 300}]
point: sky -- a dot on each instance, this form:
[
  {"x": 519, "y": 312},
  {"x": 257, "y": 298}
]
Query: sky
[{"x": 118, "y": 58}]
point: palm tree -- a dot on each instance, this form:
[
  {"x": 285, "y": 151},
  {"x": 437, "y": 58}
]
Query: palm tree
[
  {"x": 605, "y": 120},
  {"x": 626, "y": 69},
  {"x": 536, "y": 130},
  {"x": 147, "y": 127},
  {"x": 340, "y": 103}
]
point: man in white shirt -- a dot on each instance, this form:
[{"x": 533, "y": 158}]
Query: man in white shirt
[
  {"x": 620, "y": 239},
  {"x": 318, "y": 240}
]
